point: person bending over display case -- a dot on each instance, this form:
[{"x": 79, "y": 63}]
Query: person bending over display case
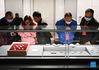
[
  {"x": 7, "y": 21},
  {"x": 28, "y": 36},
  {"x": 66, "y": 23},
  {"x": 17, "y": 20},
  {"x": 42, "y": 37},
  {"x": 88, "y": 22}
]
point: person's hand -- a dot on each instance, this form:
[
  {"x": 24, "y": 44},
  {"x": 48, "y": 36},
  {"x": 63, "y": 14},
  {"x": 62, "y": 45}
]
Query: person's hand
[
  {"x": 88, "y": 43},
  {"x": 12, "y": 33},
  {"x": 52, "y": 40},
  {"x": 36, "y": 40}
]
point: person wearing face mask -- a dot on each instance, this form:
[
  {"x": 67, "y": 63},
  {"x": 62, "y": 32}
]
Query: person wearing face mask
[
  {"x": 7, "y": 21},
  {"x": 66, "y": 23},
  {"x": 90, "y": 23}
]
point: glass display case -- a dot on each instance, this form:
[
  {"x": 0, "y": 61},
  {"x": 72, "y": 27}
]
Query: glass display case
[
  {"x": 46, "y": 53},
  {"x": 67, "y": 39}
]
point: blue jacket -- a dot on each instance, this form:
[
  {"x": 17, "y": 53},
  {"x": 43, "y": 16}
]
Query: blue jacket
[{"x": 62, "y": 35}]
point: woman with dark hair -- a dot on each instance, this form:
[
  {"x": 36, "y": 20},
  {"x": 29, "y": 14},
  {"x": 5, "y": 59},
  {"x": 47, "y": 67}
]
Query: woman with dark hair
[{"x": 28, "y": 36}]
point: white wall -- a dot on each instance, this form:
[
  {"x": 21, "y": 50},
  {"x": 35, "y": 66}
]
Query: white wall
[
  {"x": 14, "y": 5},
  {"x": 59, "y": 9},
  {"x": 26, "y": 7},
  {"x": 52, "y": 10},
  {"x": 2, "y": 8},
  {"x": 31, "y": 7},
  {"x": 46, "y": 7},
  {"x": 71, "y": 6},
  {"x": 95, "y": 6},
  {"x": 23, "y": 7}
]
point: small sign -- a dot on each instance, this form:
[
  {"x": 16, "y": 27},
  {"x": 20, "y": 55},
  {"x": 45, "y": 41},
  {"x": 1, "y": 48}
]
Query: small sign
[{"x": 93, "y": 64}]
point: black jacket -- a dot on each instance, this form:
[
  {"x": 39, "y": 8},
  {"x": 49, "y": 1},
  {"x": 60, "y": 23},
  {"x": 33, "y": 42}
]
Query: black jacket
[
  {"x": 4, "y": 24},
  {"x": 11, "y": 39},
  {"x": 90, "y": 36},
  {"x": 43, "y": 37},
  {"x": 17, "y": 21}
]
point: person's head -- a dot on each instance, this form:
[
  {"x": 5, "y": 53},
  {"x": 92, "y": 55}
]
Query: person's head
[
  {"x": 28, "y": 21},
  {"x": 9, "y": 16},
  {"x": 37, "y": 16},
  {"x": 89, "y": 13},
  {"x": 68, "y": 18},
  {"x": 16, "y": 14}
]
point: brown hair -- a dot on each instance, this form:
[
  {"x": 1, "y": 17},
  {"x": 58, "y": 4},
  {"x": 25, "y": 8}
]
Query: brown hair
[{"x": 28, "y": 18}]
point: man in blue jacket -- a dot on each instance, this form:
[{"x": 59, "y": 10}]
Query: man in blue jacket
[{"x": 67, "y": 21}]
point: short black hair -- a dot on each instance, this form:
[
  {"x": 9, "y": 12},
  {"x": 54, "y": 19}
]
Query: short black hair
[
  {"x": 90, "y": 10},
  {"x": 16, "y": 14},
  {"x": 36, "y": 14},
  {"x": 8, "y": 13},
  {"x": 68, "y": 14}
]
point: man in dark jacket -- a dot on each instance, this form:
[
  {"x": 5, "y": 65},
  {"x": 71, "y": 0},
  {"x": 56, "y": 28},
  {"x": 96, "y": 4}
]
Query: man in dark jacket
[
  {"x": 17, "y": 20},
  {"x": 88, "y": 22},
  {"x": 42, "y": 37},
  {"x": 7, "y": 21}
]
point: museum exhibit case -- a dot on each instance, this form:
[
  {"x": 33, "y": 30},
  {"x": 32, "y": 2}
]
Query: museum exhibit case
[
  {"x": 49, "y": 47},
  {"x": 19, "y": 55}
]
